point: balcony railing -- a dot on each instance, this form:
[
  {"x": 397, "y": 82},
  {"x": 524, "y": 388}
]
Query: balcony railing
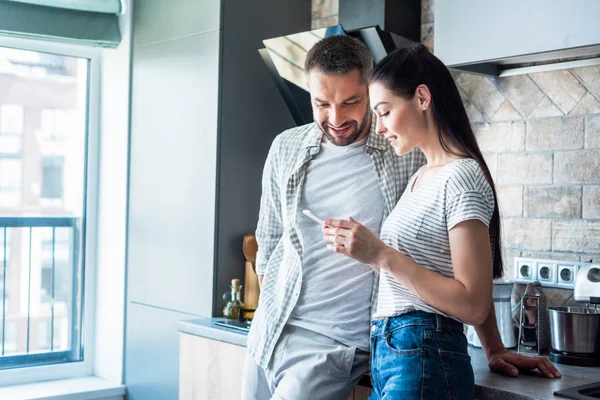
[{"x": 41, "y": 297}]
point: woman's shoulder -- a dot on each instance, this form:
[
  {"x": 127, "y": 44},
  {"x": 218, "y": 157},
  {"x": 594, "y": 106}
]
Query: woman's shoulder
[{"x": 465, "y": 175}]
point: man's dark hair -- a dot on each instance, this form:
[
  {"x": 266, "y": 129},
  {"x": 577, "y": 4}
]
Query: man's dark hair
[{"x": 340, "y": 54}]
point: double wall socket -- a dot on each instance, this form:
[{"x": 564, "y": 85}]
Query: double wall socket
[{"x": 551, "y": 273}]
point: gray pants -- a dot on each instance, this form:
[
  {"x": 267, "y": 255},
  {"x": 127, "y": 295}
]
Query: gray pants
[{"x": 305, "y": 365}]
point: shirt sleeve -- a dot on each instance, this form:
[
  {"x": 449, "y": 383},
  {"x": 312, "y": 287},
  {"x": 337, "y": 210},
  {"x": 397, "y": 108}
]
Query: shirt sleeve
[
  {"x": 270, "y": 222},
  {"x": 470, "y": 204}
]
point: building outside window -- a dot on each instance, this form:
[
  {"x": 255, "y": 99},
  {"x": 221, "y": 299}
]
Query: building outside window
[{"x": 44, "y": 100}]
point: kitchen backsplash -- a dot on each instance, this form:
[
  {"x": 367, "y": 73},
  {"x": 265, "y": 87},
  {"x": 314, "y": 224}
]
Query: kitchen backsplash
[{"x": 540, "y": 134}]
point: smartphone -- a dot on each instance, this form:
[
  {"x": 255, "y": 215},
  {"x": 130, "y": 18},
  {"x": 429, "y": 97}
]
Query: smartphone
[{"x": 312, "y": 216}]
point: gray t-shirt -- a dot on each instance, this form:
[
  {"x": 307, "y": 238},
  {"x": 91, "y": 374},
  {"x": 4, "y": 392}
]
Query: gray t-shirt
[
  {"x": 419, "y": 224},
  {"x": 335, "y": 299}
]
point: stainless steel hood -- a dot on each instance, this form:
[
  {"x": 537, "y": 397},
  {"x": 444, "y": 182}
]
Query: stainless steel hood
[
  {"x": 383, "y": 25},
  {"x": 512, "y": 37}
]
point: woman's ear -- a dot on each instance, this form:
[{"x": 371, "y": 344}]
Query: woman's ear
[{"x": 424, "y": 97}]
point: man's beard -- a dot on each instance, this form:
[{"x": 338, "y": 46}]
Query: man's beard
[{"x": 345, "y": 141}]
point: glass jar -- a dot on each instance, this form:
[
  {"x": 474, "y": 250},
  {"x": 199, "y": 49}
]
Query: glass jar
[{"x": 233, "y": 302}]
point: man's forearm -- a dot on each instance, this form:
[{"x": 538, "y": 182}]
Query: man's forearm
[
  {"x": 260, "y": 279},
  {"x": 488, "y": 333}
]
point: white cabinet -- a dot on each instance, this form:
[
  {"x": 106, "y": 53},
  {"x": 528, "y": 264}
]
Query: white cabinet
[
  {"x": 212, "y": 370},
  {"x": 209, "y": 369}
]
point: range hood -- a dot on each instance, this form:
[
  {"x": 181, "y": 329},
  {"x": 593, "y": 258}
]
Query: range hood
[
  {"x": 383, "y": 25},
  {"x": 513, "y": 37}
]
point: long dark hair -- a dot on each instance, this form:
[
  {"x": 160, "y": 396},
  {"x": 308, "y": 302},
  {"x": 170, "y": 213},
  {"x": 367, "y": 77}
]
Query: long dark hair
[{"x": 401, "y": 72}]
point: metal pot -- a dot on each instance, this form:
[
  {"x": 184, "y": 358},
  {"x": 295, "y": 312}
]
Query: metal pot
[{"x": 575, "y": 330}]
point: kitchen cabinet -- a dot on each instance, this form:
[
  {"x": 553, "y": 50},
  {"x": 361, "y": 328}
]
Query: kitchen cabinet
[
  {"x": 360, "y": 393},
  {"x": 211, "y": 369}
]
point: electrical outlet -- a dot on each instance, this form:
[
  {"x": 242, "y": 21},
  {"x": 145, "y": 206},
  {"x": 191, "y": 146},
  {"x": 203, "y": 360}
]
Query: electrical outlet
[
  {"x": 525, "y": 270},
  {"x": 546, "y": 272},
  {"x": 565, "y": 274}
]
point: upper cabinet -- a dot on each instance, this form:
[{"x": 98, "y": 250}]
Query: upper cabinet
[{"x": 512, "y": 37}]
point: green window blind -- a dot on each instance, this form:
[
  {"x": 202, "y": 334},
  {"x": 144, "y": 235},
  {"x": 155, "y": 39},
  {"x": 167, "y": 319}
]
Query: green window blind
[{"x": 84, "y": 22}]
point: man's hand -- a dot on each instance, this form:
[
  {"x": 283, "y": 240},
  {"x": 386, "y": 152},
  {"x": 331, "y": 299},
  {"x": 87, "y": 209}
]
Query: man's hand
[{"x": 508, "y": 363}]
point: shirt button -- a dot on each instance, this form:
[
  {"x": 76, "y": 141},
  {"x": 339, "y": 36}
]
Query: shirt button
[{"x": 373, "y": 328}]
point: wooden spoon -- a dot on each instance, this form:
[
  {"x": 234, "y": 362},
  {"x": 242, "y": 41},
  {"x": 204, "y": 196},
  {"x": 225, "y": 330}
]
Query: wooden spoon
[{"x": 250, "y": 247}]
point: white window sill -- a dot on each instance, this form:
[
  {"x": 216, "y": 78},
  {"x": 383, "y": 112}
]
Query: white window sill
[{"x": 88, "y": 388}]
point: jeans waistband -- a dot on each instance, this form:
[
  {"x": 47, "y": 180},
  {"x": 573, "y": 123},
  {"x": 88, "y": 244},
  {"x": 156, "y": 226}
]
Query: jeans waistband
[{"x": 415, "y": 318}]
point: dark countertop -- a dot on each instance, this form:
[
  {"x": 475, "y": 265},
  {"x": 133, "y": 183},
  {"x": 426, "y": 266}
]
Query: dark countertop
[
  {"x": 488, "y": 385},
  {"x": 528, "y": 385}
]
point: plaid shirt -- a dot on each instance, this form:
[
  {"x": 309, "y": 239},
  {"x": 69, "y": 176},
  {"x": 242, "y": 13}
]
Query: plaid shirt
[{"x": 279, "y": 243}]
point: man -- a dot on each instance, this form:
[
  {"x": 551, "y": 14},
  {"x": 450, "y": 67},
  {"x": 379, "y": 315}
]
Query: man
[{"x": 310, "y": 334}]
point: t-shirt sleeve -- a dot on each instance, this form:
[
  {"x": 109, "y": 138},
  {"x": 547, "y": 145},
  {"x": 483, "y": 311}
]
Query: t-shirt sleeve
[{"x": 475, "y": 202}]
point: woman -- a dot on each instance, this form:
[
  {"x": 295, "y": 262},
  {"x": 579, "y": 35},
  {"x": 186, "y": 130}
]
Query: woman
[{"x": 439, "y": 248}]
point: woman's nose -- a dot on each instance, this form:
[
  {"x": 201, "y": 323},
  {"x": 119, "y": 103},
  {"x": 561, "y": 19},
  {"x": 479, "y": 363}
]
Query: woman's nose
[{"x": 379, "y": 128}]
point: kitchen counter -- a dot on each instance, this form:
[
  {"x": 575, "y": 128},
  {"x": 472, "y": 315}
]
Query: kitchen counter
[
  {"x": 204, "y": 327},
  {"x": 488, "y": 385},
  {"x": 528, "y": 385}
]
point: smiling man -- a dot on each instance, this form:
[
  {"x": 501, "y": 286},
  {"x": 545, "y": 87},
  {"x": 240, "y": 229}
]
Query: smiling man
[{"x": 310, "y": 334}]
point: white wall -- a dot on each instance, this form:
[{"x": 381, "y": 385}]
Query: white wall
[
  {"x": 110, "y": 270},
  {"x": 172, "y": 179}
]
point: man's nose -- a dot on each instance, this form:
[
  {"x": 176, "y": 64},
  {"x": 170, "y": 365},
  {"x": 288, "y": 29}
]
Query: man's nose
[{"x": 336, "y": 117}]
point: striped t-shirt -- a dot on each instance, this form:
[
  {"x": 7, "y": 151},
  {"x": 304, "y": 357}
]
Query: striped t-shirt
[{"x": 419, "y": 224}]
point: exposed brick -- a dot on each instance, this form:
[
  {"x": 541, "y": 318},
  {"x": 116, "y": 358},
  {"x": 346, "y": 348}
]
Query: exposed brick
[
  {"x": 501, "y": 136},
  {"x": 591, "y": 258},
  {"x": 427, "y": 36},
  {"x": 546, "y": 108},
  {"x": 510, "y": 200},
  {"x": 527, "y": 234},
  {"x": 507, "y": 112},
  {"x": 324, "y": 22},
  {"x": 553, "y": 201},
  {"x": 491, "y": 160},
  {"x": 562, "y": 87},
  {"x": 321, "y": 9},
  {"x": 577, "y": 236},
  {"x": 588, "y": 105},
  {"x": 555, "y": 134},
  {"x": 550, "y": 255},
  {"x": 592, "y": 131},
  {"x": 508, "y": 257},
  {"x": 472, "y": 112},
  {"x": 482, "y": 92},
  {"x": 591, "y": 201},
  {"x": 590, "y": 76},
  {"x": 581, "y": 166},
  {"x": 427, "y": 13},
  {"x": 524, "y": 168},
  {"x": 522, "y": 92}
]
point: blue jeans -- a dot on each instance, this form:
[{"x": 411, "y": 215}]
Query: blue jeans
[{"x": 420, "y": 355}]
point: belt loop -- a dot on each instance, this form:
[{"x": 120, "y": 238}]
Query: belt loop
[
  {"x": 385, "y": 327},
  {"x": 438, "y": 322}
]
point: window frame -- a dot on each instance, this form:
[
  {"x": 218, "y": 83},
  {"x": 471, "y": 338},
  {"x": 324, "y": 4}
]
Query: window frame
[{"x": 73, "y": 369}]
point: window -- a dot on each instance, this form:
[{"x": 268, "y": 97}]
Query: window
[
  {"x": 11, "y": 131},
  {"x": 10, "y": 181},
  {"x": 45, "y": 128},
  {"x": 52, "y": 177}
]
